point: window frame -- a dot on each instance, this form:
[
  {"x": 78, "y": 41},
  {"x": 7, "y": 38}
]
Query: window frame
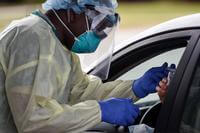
[
  {"x": 135, "y": 47},
  {"x": 171, "y": 112}
]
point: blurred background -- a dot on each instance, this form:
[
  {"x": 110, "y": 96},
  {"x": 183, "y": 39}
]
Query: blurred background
[{"x": 136, "y": 15}]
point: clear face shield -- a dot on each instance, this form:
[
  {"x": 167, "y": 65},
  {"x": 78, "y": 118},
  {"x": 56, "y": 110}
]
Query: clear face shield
[
  {"x": 104, "y": 26},
  {"x": 99, "y": 61}
]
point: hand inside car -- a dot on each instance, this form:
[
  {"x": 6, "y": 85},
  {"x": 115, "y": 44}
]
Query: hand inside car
[{"x": 162, "y": 89}]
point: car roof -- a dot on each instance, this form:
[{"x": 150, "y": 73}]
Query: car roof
[{"x": 185, "y": 22}]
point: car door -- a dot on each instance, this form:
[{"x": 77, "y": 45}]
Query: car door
[
  {"x": 133, "y": 60},
  {"x": 181, "y": 110}
]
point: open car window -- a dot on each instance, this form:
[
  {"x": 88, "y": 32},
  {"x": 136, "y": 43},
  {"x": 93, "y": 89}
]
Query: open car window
[{"x": 172, "y": 56}]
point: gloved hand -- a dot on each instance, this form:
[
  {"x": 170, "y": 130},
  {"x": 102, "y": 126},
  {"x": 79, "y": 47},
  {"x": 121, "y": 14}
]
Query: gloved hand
[
  {"x": 148, "y": 82},
  {"x": 162, "y": 88},
  {"x": 119, "y": 111}
]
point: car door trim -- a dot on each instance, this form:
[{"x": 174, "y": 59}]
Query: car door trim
[
  {"x": 164, "y": 119},
  {"x": 183, "y": 90}
]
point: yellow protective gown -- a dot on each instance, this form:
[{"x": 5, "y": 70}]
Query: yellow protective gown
[{"x": 42, "y": 86}]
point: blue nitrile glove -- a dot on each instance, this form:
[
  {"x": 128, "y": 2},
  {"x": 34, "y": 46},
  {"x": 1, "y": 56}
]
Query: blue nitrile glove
[
  {"x": 148, "y": 82},
  {"x": 119, "y": 111}
]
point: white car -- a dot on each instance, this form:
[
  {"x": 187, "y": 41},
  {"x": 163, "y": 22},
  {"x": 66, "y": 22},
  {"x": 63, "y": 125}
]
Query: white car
[{"x": 176, "y": 41}]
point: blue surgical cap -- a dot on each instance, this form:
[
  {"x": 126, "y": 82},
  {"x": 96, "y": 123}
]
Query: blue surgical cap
[
  {"x": 78, "y": 6},
  {"x": 101, "y": 13}
]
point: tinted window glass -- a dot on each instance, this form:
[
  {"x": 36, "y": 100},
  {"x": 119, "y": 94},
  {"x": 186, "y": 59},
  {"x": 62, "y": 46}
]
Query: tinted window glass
[{"x": 191, "y": 117}]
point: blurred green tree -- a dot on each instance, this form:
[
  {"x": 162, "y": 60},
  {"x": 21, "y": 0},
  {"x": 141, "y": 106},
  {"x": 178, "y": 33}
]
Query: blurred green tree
[
  {"x": 137, "y": 0},
  {"x": 41, "y": 1},
  {"x": 193, "y": 0},
  {"x": 9, "y": 1},
  {"x": 24, "y": 1}
]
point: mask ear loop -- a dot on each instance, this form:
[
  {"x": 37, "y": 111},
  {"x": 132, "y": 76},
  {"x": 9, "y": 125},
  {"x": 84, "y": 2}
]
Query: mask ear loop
[
  {"x": 87, "y": 23},
  {"x": 68, "y": 16},
  {"x": 65, "y": 25}
]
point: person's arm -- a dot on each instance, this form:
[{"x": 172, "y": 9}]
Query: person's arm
[
  {"x": 33, "y": 85},
  {"x": 88, "y": 87}
]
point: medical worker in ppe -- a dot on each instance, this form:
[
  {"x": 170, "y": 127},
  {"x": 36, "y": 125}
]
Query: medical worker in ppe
[{"x": 42, "y": 86}]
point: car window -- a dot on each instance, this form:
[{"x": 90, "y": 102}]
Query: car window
[
  {"x": 191, "y": 117},
  {"x": 172, "y": 56}
]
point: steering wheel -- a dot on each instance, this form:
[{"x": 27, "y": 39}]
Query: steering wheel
[{"x": 150, "y": 116}]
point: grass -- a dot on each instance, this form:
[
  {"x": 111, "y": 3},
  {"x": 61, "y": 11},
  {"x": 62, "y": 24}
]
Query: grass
[
  {"x": 132, "y": 14},
  {"x": 152, "y": 13},
  {"x": 13, "y": 12}
]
